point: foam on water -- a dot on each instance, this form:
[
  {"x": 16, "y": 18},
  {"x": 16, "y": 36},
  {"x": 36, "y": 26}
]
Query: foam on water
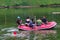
[
  {"x": 9, "y": 29},
  {"x": 17, "y": 35},
  {"x": 22, "y": 34}
]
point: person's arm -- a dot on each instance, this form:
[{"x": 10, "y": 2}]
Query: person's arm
[{"x": 21, "y": 21}]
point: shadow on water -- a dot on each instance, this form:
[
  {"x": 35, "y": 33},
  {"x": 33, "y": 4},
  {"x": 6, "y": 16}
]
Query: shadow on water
[{"x": 15, "y": 34}]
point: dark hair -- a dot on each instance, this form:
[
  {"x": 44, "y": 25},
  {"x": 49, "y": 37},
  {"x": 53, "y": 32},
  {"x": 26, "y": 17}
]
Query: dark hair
[{"x": 27, "y": 17}]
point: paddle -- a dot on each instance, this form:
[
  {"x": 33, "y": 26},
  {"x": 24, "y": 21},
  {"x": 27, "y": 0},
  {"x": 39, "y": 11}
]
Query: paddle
[{"x": 35, "y": 19}]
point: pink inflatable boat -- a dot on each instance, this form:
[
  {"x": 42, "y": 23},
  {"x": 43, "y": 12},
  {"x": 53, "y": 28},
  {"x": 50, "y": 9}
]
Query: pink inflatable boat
[{"x": 50, "y": 25}]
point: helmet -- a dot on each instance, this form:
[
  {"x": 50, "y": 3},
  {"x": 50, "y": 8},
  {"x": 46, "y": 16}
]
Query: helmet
[{"x": 18, "y": 17}]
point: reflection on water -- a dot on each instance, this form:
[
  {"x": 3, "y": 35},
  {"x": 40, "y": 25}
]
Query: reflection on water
[
  {"x": 44, "y": 35},
  {"x": 27, "y": 35}
]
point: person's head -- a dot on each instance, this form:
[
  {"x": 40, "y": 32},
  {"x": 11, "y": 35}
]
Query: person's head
[
  {"x": 18, "y": 17},
  {"x": 28, "y": 18},
  {"x": 39, "y": 19}
]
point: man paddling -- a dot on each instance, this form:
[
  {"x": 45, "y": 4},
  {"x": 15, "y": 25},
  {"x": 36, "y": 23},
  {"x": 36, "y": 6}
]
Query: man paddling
[
  {"x": 27, "y": 21},
  {"x": 19, "y": 21},
  {"x": 44, "y": 20},
  {"x": 39, "y": 22}
]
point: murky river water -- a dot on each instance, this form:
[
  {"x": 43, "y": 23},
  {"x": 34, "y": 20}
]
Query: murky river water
[{"x": 15, "y": 34}]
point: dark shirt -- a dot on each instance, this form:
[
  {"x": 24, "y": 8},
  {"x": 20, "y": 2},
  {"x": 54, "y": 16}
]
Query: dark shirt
[
  {"x": 31, "y": 24},
  {"x": 44, "y": 20}
]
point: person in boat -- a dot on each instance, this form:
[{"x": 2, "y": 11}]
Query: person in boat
[
  {"x": 44, "y": 20},
  {"x": 39, "y": 22},
  {"x": 31, "y": 24},
  {"x": 33, "y": 21},
  {"x": 27, "y": 21},
  {"x": 19, "y": 21}
]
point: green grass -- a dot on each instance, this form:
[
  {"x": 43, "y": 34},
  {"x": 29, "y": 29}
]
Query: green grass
[{"x": 28, "y": 2}]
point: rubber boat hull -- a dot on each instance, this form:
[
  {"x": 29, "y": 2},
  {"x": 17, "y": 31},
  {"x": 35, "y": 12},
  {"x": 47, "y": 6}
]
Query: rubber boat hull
[{"x": 50, "y": 25}]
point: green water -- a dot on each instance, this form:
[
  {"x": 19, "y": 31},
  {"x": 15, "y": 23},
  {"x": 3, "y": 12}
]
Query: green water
[
  {"x": 8, "y": 16},
  {"x": 8, "y": 19}
]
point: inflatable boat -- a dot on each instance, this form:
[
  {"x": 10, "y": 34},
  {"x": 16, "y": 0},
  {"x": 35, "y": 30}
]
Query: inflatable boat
[{"x": 49, "y": 25}]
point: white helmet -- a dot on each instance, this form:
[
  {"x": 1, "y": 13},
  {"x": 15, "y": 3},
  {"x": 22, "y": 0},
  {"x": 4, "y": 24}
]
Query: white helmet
[{"x": 18, "y": 17}]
